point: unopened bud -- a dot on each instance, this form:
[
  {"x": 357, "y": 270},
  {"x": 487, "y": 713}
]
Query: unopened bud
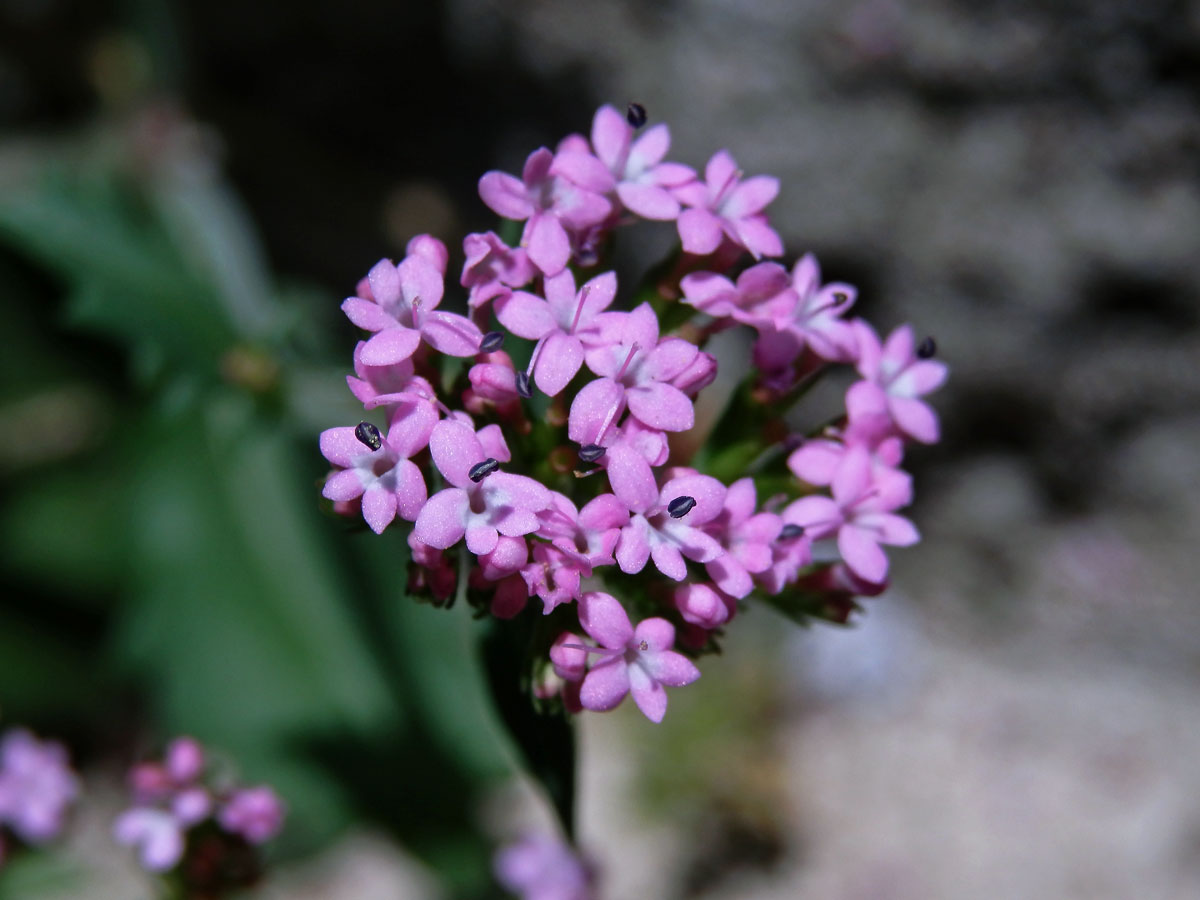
[
  {"x": 481, "y": 470},
  {"x": 681, "y": 506},
  {"x": 635, "y": 115},
  {"x": 369, "y": 435},
  {"x": 591, "y": 452}
]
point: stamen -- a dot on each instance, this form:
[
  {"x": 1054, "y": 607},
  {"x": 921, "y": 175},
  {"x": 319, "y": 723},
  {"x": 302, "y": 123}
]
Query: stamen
[
  {"x": 369, "y": 435},
  {"x": 491, "y": 342},
  {"x": 591, "y": 452},
  {"x": 628, "y": 360},
  {"x": 791, "y": 531},
  {"x": 416, "y": 307},
  {"x": 927, "y": 348},
  {"x": 523, "y": 387},
  {"x": 644, "y": 646},
  {"x": 681, "y": 506},
  {"x": 635, "y": 115},
  {"x": 608, "y": 420},
  {"x": 579, "y": 307},
  {"x": 840, "y": 296},
  {"x": 481, "y": 470},
  {"x": 603, "y": 651}
]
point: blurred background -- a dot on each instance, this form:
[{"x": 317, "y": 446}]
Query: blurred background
[{"x": 187, "y": 192}]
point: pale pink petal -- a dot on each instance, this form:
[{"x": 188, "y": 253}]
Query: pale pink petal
[
  {"x": 699, "y": 230},
  {"x": 519, "y": 492},
  {"x": 915, "y": 418},
  {"x": 815, "y": 461},
  {"x": 758, "y": 237},
  {"x": 442, "y": 520},
  {"x": 430, "y": 249},
  {"x": 450, "y": 333},
  {"x": 367, "y": 315},
  {"x": 649, "y": 201},
  {"x": 604, "y": 512},
  {"x": 420, "y": 281},
  {"x": 922, "y": 377},
  {"x": 740, "y": 499},
  {"x": 700, "y": 605},
  {"x": 675, "y": 176},
  {"x": 605, "y": 685},
  {"x": 455, "y": 449},
  {"x": 384, "y": 282},
  {"x": 633, "y": 547},
  {"x": 672, "y": 669},
  {"x": 342, "y": 486},
  {"x": 669, "y": 358},
  {"x": 861, "y": 553},
  {"x": 411, "y": 427},
  {"x": 818, "y": 516},
  {"x": 481, "y": 538},
  {"x": 597, "y": 402},
  {"x": 390, "y": 346},
  {"x": 731, "y": 577},
  {"x": 610, "y": 136},
  {"x": 668, "y": 560},
  {"x": 378, "y": 507},
  {"x": 707, "y": 491},
  {"x": 559, "y": 362},
  {"x": 889, "y": 528},
  {"x": 547, "y": 243},
  {"x": 662, "y": 406},
  {"x": 605, "y": 620},
  {"x": 505, "y": 195},
  {"x": 853, "y": 476},
  {"x": 749, "y": 197},
  {"x": 584, "y": 170},
  {"x": 658, "y": 634},
  {"x": 702, "y": 289},
  {"x": 631, "y": 478},
  {"x": 898, "y": 350},
  {"x": 410, "y": 490},
  {"x": 341, "y": 447},
  {"x": 649, "y": 149},
  {"x": 537, "y": 166},
  {"x": 695, "y": 544},
  {"x": 525, "y": 315},
  {"x": 648, "y": 694},
  {"x": 599, "y": 293},
  {"x": 491, "y": 439},
  {"x": 720, "y": 169}
]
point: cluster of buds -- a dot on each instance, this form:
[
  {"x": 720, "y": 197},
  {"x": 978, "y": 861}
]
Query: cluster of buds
[
  {"x": 187, "y": 819},
  {"x": 577, "y": 474},
  {"x": 37, "y": 788}
]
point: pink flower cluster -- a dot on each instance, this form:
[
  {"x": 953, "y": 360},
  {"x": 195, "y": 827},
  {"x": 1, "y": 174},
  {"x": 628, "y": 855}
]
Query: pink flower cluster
[
  {"x": 37, "y": 787},
  {"x": 557, "y": 474},
  {"x": 178, "y": 794},
  {"x": 541, "y": 867}
]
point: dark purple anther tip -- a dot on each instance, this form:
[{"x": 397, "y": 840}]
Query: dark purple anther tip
[
  {"x": 481, "y": 470},
  {"x": 492, "y": 341},
  {"x": 840, "y": 296},
  {"x": 927, "y": 348},
  {"x": 681, "y": 506},
  {"x": 523, "y": 387},
  {"x": 591, "y": 452},
  {"x": 791, "y": 530},
  {"x": 369, "y": 435},
  {"x": 635, "y": 115}
]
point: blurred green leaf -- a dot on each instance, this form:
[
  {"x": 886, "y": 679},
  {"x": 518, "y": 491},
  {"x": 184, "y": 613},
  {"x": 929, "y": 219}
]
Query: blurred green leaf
[
  {"x": 38, "y": 874},
  {"x": 238, "y": 613}
]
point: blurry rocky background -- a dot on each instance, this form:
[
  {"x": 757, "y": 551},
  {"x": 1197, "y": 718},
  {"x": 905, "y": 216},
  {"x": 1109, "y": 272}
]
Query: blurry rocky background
[{"x": 1017, "y": 718}]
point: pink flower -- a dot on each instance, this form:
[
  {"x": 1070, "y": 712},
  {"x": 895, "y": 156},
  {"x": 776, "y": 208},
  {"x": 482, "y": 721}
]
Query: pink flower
[
  {"x": 632, "y": 168},
  {"x": 543, "y": 868},
  {"x": 747, "y": 538},
  {"x": 255, "y": 813},
  {"x": 493, "y": 268},
  {"x": 815, "y": 322},
  {"x": 635, "y": 369},
  {"x": 548, "y": 204},
  {"x": 762, "y": 298},
  {"x": 896, "y": 375},
  {"x": 386, "y": 478},
  {"x": 638, "y": 661},
  {"x": 723, "y": 204},
  {"x": 859, "y": 514},
  {"x": 404, "y": 312},
  {"x": 386, "y": 387},
  {"x": 665, "y": 523},
  {"x": 156, "y": 833},
  {"x": 483, "y": 502},
  {"x": 562, "y": 324},
  {"x": 36, "y": 786}
]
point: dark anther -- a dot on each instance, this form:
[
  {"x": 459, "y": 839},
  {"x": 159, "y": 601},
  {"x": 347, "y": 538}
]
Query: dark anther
[
  {"x": 791, "y": 530},
  {"x": 681, "y": 506},
  {"x": 369, "y": 435},
  {"x": 635, "y": 115},
  {"x": 523, "y": 387},
  {"x": 491, "y": 342},
  {"x": 927, "y": 348},
  {"x": 840, "y": 296},
  {"x": 591, "y": 452},
  {"x": 481, "y": 470}
]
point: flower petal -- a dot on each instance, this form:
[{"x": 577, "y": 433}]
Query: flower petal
[
  {"x": 442, "y": 520},
  {"x": 605, "y": 686},
  {"x": 661, "y": 406},
  {"x": 390, "y": 346},
  {"x": 605, "y": 620}
]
